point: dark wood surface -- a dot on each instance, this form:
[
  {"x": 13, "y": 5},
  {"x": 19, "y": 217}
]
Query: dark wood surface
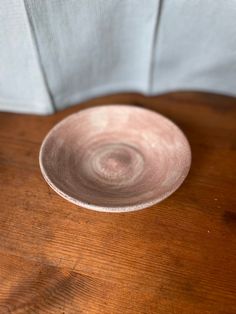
[{"x": 176, "y": 257}]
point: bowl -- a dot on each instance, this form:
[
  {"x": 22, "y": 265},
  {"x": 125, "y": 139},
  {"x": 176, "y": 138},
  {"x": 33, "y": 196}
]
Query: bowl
[{"x": 115, "y": 158}]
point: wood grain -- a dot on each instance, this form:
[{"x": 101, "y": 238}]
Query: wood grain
[{"x": 176, "y": 257}]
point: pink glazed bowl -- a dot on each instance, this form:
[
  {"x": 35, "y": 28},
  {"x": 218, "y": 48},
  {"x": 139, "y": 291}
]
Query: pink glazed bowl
[{"x": 115, "y": 158}]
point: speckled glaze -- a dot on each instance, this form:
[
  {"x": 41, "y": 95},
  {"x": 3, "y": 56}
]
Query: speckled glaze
[{"x": 115, "y": 158}]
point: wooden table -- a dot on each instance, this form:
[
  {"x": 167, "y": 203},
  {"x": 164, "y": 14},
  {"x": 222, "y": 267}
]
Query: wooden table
[{"x": 176, "y": 257}]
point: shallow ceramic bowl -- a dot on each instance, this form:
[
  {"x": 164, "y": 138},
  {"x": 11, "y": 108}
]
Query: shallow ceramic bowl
[{"x": 115, "y": 158}]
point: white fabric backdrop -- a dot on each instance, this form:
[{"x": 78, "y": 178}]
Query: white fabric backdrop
[
  {"x": 22, "y": 87},
  {"x": 196, "y": 46},
  {"x": 55, "y": 53}
]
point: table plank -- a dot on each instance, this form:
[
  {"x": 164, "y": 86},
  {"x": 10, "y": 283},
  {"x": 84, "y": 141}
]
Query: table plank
[{"x": 176, "y": 257}]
